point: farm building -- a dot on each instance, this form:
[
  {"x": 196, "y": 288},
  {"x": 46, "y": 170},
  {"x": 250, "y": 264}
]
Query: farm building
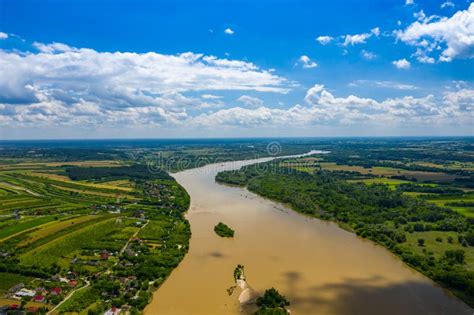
[
  {"x": 113, "y": 311},
  {"x": 39, "y": 298},
  {"x": 56, "y": 291},
  {"x": 25, "y": 292}
]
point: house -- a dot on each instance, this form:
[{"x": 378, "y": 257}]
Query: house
[
  {"x": 39, "y": 298},
  {"x": 41, "y": 290},
  {"x": 104, "y": 255},
  {"x": 72, "y": 283},
  {"x": 123, "y": 280},
  {"x": 56, "y": 291},
  {"x": 4, "y": 254},
  {"x": 113, "y": 311},
  {"x": 25, "y": 292},
  {"x": 130, "y": 252},
  {"x": 72, "y": 274},
  {"x": 4, "y": 309},
  {"x": 65, "y": 280}
]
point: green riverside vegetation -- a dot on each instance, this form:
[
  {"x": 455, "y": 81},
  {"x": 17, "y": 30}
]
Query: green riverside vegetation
[
  {"x": 272, "y": 302},
  {"x": 223, "y": 230},
  {"x": 436, "y": 240}
]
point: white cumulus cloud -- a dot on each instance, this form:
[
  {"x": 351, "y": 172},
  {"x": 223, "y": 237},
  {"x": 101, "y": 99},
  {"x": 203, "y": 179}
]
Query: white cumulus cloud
[
  {"x": 402, "y": 64},
  {"x": 250, "y": 101},
  {"x": 3, "y": 35},
  {"x": 447, "y": 4},
  {"x": 454, "y": 34},
  {"x": 368, "y": 55},
  {"x": 323, "y": 108},
  {"x": 324, "y": 40},
  {"x": 61, "y": 85},
  {"x": 356, "y": 39},
  {"x": 229, "y": 31},
  {"x": 383, "y": 84},
  {"x": 306, "y": 62},
  {"x": 375, "y": 31}
]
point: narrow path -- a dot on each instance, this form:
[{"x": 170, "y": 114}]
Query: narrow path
[
  {"x": 131, "y": 237},
  {"x": 20, "y": 189},
  {"x": 69, "y": 296}
]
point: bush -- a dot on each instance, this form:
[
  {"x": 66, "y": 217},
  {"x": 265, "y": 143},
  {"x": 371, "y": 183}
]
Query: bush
[
  {"x": 455, "y": 256},
  {"x": 469, "y": 237},
  {"x": 272, "y": 299}
]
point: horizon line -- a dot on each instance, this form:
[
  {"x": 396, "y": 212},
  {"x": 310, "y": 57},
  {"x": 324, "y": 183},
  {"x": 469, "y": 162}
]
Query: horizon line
[{"x": 239, "y": 138}]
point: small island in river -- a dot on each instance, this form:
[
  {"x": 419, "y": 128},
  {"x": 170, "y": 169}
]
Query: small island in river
[{"x": 223, "y": 230}]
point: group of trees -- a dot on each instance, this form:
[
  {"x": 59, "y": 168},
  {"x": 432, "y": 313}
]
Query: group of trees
[
  {"x": 57, "y": 153},
  {"x": 133, "y": 172},
  {"x": 409, "y": 187},
  {"x": 272, "y": 303}
]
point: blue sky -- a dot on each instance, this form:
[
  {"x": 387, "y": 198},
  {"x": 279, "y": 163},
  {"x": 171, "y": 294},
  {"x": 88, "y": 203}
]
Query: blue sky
[{"x": 252, "y": 68}]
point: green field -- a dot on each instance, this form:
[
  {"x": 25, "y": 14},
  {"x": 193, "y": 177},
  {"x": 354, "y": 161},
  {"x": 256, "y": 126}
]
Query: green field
[
  {"x": 82, "y": 298},
  {"x": 438, "y": 248},
  {"x": 390, "y": 182},
  {"x": 84, "y": 230},
  {"x": 17, "y": 228},
  {"x": 8, "y": 280},
  {"x": 53, "y": 251},
  {"x": 444, "y": 201}
]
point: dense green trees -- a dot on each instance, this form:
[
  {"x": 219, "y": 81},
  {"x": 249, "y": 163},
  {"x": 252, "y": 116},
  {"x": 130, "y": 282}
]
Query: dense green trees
[
  {"x": 134, "y": 172},
  {"x": 455, "y": 256},
  {"x": 223, "y": 230},
  {"x": 272, "y": 302}
]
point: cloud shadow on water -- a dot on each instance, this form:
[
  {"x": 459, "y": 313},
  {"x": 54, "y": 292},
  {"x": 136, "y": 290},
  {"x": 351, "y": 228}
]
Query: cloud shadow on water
[
  {"x": 371, "y": 296},
  {"x": 216, "y": 254}
]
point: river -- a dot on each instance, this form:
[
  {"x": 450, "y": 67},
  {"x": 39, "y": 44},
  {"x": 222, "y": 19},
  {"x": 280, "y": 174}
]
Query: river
[{"x": 319, "y": 267}]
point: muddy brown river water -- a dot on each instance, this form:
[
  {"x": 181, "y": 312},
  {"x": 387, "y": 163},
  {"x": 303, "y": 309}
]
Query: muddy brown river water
[{"x": 319, "y": 267}]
